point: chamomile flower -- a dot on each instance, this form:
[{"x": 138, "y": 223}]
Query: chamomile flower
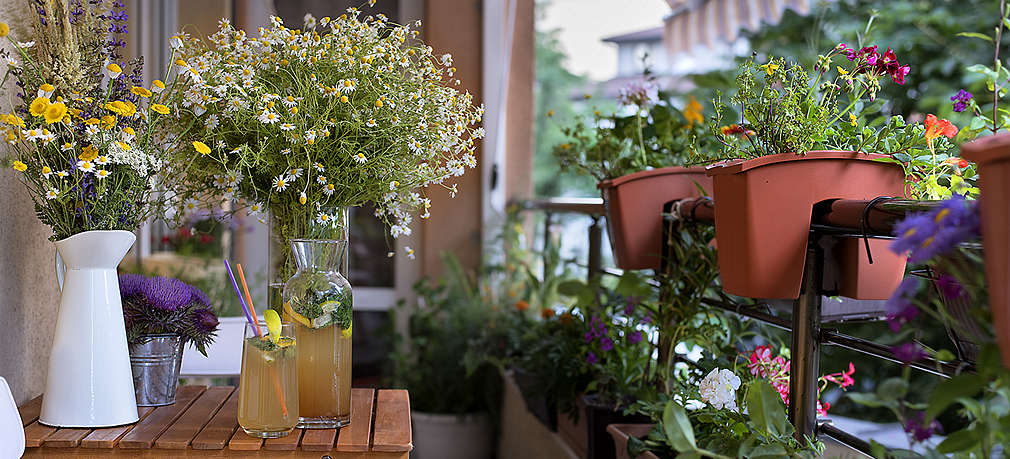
[
  {"x": 46, "y": 90},
  {"x": 113, "y": 70},
  {"x": 409, "y": 251},
  {"x": 302, "y": 198},
  {"x": 321, "y": 179},
  {"x": 157, "y": 86},
  {"x": 290, "y": 101},
  {"x": 371, "y": 122},
  {"x": 62, "y": 174},
  {"x": 348, "y": 85},
  {"x": 294, "y": 174},
  {"x": 85, "y": 166},
  {"x": 319, "y": 167},
  {"x": 101, "y": 173},
  {"x": 191, "y": 205},
  {"x": 102, "y": 160},
  {"x": 286, "y": 151},
  {"x": 46, "y": 171},
  {"x": 280, "y": 182},
  {"x": 453, "y": 191},
  {"x": 360, "y": 158},
  {"x": 255, "y": 208},
  {"x": 53, "y": 193},
  {"x": 235, "y": 151},
  {"x": 68, "y": 146},
  {"x": 175, "y": 42},
  {"x": 287, "y": 127},
  {"x": 329, "y": 189},
  {"x": 268, "y": 117},
  {"x": 92, "y": 130},
  {"x": 212, "y": 122},
  {"x": 26, "y": 44},
  {"x": 394, "y": 185},
  {"x": 322, "y": 218}
]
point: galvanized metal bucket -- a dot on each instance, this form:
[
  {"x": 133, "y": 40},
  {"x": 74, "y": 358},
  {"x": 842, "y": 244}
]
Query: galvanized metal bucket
[{"x": 156, "y": 361}]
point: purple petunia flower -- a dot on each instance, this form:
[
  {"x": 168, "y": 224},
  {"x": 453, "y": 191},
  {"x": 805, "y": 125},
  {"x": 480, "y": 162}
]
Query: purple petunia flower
[
  {"x": 920, "y": 430},
  {"x": 167, "y": 294},
  {"x": 927, "y": 235},
  {"x": 635, "y": 337},
  {"x": 899, "y": 307},
  {"x": 908, "y": 352},
  {"x": 591, "y": 358},
  {"x": 647, "y": 319},
  {"x": 606, "y": 344},
  {"x": 911, "y": 232},
  {"x": 130, "y": 284},
  {"x": 961, "y": 100}
]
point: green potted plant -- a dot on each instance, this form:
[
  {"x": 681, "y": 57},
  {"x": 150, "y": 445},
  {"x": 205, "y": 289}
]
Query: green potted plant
[
  {"x": 639, "y": 162},
  {"x": 796, "y": 145},
  {"x": 453, "y": 404}
]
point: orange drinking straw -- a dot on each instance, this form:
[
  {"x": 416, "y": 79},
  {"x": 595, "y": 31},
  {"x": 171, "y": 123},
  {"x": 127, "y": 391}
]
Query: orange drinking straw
[{"x": 252, "y": 310}]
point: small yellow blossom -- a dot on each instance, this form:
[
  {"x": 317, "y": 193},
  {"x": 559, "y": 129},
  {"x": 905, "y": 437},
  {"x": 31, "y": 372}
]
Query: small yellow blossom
[
  {"x": 20, "y": 166},
  {"x": 842, "y": 71},
  {"x": 88, "y": 154},
  {"x": 201, "y": 147},
  {"x": 852, "y": 119},
  {"x": 113, "y": 71},
  {"x": 770, "y": 68},
  {"x": 142, "y": 92},
  {"x": 4, "y": 29},
  {"x": 157, "y": 86},
  {"x": 163, "y": 109},
  {"x": 55, "y": 112},
  {"x": 108, "y": 121},
  {"x": 39, "y": 106}
]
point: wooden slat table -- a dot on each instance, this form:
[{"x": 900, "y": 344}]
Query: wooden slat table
[{"x": 203, "y": 422}]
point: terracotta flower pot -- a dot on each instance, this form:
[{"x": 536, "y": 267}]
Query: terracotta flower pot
[
  {"x": 634, "y": 203},
  {"x": 762, "y": 221},
  {"x": 992, "y": 154},
  {"x": 623, "y": 432}
]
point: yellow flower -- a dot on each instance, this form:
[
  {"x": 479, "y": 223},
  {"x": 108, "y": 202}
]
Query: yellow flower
[
  {"x": 88, "y": 154},
  {"x": 121, "y": 108},
  {"x": 55, "y": 112},
  {"x": 20, "y": 166},
  {"x": 113, "y": 71},
  {"x": 302, "y": 199},
  {"x": 770, "y": 68},
  {"x": 92, "y": 121},
  {"x": 4, "y": 29},
  {"x": 157, "y": 86},
  {"x": 46, "y": 90},
  {"x": 852, "y": 119},
  {"x": 38, "y": 106},
  {"x": 124, "y": 146},
  {"x": 343, "y": 99},
  {"x": 842, "y": 71},
  {"x": 129, "y": 130},
  {"x": 160, "y": 109},
  {"x": 201, "y": 147},
  {"x": 14, "y": 120},
  {"x": 108, "y": 121},
  {"x": 378, "y": 103},
  {"x": 142, "y": 92},
  {"x": 692, "y": 112}
]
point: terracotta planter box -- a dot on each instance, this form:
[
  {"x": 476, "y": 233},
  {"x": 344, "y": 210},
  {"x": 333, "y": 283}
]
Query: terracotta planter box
[
  {"x": 623, "y": 432},
  {"x": 762, "y": 221},
  {"x": 574, "y": 432},
  {"x": 634, "y": 203},
  {"x": 992, "y": 154}
]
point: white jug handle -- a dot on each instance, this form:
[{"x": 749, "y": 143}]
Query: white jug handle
[{"x": 61, "y": 269}]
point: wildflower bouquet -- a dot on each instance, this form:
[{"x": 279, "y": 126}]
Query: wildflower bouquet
[
  {"x": 304, "y": 123},
  {"x": 153, "y": 305},
  {"x": 785, "y": 110},
  {"x": 83, "y": 131},
  {"x": 657, "y": 134}
]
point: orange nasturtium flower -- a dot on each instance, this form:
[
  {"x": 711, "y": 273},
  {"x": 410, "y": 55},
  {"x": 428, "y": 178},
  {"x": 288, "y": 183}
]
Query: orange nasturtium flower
[
  {"x": 522, "y": 306},
  {"x": 935, "y": 128},
  {"x": 692, "y": 112}
]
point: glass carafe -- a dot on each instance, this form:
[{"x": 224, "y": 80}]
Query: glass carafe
[{"x": 317, "y": 299}]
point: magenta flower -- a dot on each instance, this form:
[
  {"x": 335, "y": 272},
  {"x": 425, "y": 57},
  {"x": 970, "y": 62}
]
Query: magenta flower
[
  {"x": 950, "y": 287},
  {"x": 920, "y": 430},
  {"x": 591, "y": 358},
  {"x": 908, "y": 352}
]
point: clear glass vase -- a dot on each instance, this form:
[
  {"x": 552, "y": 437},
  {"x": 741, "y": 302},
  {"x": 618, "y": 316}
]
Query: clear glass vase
[{"x": 318, "y": 300}]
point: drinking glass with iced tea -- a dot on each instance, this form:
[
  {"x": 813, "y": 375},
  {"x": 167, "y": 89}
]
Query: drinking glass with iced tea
[{"x": 268, "y": 386}]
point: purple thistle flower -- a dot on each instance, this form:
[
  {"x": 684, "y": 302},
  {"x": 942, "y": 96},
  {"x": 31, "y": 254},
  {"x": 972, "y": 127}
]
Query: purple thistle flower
[
  {"x": 635, "y": 337},
  {"x": 908, "y": 352},
  {"x": 167, "y": 294},
  {"x": 130, "y": 284},
  {"x": 199, "y": 297},
  {"x": 204, "y": 320},
  {"x": 899, "y": 307},
  {"x": 591, "y": 358},
  {"x": 916, "y": 425},
  {"x": 950, "y": 287},
  {"x": 961, "y": 100},
  {"x": 606, "y": 344}
]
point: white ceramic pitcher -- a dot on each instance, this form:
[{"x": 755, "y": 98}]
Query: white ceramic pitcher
[{"x": 90, "y": 382}]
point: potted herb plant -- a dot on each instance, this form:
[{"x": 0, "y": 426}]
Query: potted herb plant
[
  {"x": 798, "y": 144},
  {"x": 163, "y": 315},
  {"x": 87, "y": 141},
  {"x": 639, "y": 162},
  {"x": 452, "y": 405}
]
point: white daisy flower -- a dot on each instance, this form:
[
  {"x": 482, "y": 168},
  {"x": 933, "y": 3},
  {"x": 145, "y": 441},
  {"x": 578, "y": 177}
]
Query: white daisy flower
[
  {"x": 175, "y": 42},
  {"x": 322, "y": 218},
  {"x": 410, "y": 252},
  {"x": 236, "y": 151},
  {"x": 360, "y": 158},
  {"x": 394, "y": 185},
  {"x": 234, "y": 178},
  {"x": 53, "y": 193},
  {"x": 329, "y": 189},
  {"x": 62, "y": 174},
  {"x": 191, "y": 205},
  {"x": 294, "y": 174},
  {"x": 321, "y": 179},
  {"x": 348, "y": 85},
  {"x": 85, "y": 166},
  {"x": 26, "y": 44},
  {"x": 102, "y": 160},
  {"x": 280, "y": 182},
  {"x": 212, "y": 122},
  {"x": 287, "y": 127},
  {"x": 101, "y": 173},
  {"x": 255, "y": 209},
  {"x": 91, "y": 130},
  {"x": 286, "y": 151},
  {"x": 319, "y": 167},
  {"x": 371, "y": 122},
  {"x": 290, "y": 101},
  {"x": 268, "y": 117},
  {"x": 68, "y": 146}
]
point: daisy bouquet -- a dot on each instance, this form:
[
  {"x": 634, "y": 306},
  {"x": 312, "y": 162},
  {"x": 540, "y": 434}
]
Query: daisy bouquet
[
  {"x": 304, "y": 123},
  {"x": 81, "y": 129}
]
